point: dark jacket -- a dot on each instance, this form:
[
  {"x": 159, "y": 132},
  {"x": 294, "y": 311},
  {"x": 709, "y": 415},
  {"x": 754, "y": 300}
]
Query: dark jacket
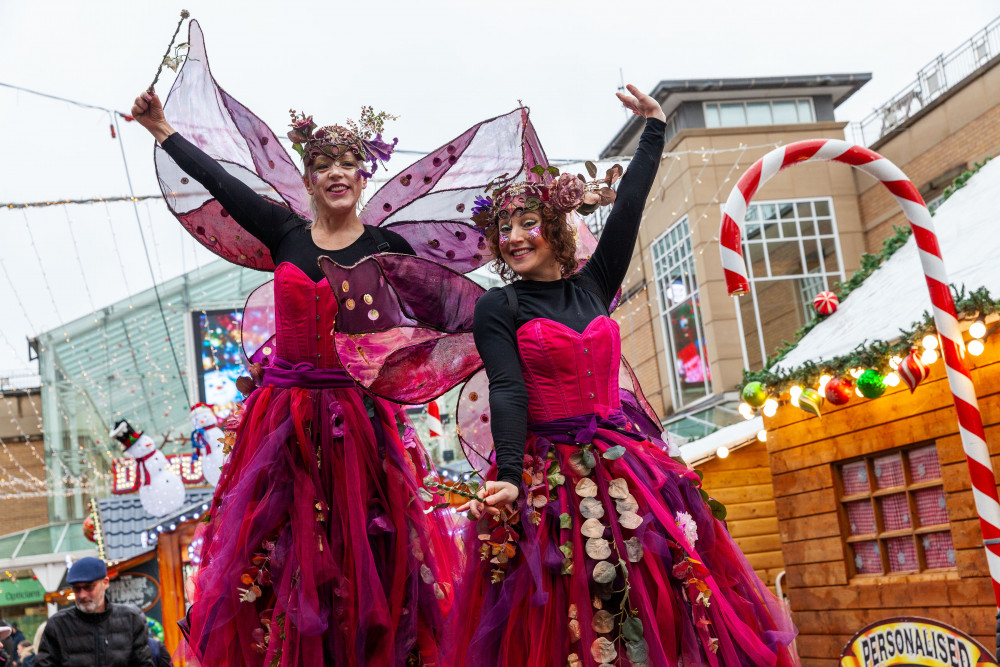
[
  {"x": 161, "y": 656},
  {"x": 115, "y": 637}
]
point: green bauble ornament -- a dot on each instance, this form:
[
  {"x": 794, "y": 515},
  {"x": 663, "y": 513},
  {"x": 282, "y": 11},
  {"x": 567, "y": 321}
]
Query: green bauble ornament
[
  {"x": 811, "y": 400},
  {"x": 871, "y": 384},
  {"x": 754, "y": 394}
]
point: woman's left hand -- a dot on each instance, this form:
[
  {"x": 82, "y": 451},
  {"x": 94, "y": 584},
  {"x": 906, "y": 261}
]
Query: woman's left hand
[{"x": 641, "y": 104}]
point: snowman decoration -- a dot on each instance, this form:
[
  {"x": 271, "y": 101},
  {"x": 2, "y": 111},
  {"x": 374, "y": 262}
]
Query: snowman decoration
[
  {"x": 205, "y": 437},
  {"x": 161, "y": 490}
]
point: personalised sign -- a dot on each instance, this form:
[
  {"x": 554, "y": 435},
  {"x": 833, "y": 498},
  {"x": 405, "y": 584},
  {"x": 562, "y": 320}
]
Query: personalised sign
[{"x": 910, "y": 641}]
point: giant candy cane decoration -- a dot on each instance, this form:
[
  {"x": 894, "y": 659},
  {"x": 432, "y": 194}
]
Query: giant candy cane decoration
[{"x": 984, "y": 488}]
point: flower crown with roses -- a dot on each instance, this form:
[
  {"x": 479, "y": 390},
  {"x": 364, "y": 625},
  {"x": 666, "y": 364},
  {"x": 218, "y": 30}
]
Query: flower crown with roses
[
  {"x": 364, "y": 139},
  {"x": 562, "y": 193}
]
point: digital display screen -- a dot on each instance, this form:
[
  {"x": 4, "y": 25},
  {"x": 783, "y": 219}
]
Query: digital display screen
[{"x": 220, "y": 358}]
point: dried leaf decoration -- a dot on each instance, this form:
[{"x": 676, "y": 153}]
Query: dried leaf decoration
[
  {"x": 577, "y": 465},
  {"x": 627, "y": 504},
  {"x": 603, "y": 650},
  {"x": 604, "y": 572},
  {"x": 630, "y": 520},
  {"x": 591, "y": 508},
  {"x": 591, "y": 168},
  {"x": 612, "y": 453},
  {"x": 592, "y": 528},
  {"x": 618, "y": 489},
  {"x": 632, "y": 629},
  {"x": 598, "y": 548},
  {"x": 586, "y": 488},
  {"x": 634, "y": 549},
  {"x": 603, "y": 622},
  {"x": 574, "y": 630},
  {"x": 637, "y": 651},
  {"x": 573, "y": 660},
  {"x": 565, "y": 521}
]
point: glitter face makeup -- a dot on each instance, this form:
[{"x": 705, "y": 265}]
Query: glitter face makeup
[{"x": 504, "y": 240}]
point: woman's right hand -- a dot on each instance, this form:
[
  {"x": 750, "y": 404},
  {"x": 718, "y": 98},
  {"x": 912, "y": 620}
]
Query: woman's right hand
[
  {"x": 148, "y": 112},
  {"x": 493, "y": 497}
]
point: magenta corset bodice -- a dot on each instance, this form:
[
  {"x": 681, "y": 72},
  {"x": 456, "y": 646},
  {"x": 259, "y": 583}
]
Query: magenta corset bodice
[
  {"x": 304, "y": 317},
  {"x": 568, "y": 373}
]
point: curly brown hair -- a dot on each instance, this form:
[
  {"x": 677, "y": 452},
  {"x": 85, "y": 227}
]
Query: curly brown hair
[{"x": 560, "y": 237}]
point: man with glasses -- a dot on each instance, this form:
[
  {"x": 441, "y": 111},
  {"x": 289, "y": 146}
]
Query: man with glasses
[{"x": 94, "y": 632}]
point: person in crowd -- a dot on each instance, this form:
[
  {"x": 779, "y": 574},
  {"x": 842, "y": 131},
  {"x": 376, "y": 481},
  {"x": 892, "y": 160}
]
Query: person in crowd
[{"x": 94, "y": 632}]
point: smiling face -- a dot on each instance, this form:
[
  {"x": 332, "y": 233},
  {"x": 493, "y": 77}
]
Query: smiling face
[
  {"x": 525, "y": 249},
  {"x": 334, "y": 184}
]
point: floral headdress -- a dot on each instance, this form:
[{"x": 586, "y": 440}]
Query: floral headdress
[
  {"x": 563, "y": 193},
  {"x": 363, "y": 138}
]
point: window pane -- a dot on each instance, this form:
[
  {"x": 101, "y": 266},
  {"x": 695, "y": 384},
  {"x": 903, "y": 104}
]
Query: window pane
[
  {"x": 712, "y": 116},
  {"x": 805, "y": 112},
  {"x": 813, "y": 262},
  {"x": 861, "y": 517},
  {"x": 758, "y": 113},
  {"x": 787, "y": 211},
  {"x": 822, "y": 207},
  {"x": 938, "y": 550},
  {"x": 771, "y": 230},
  {"x": 789, "y": 229},
  {"x": 733, "y": 115},
  {"x": 786, "y": 260},
  {"x": 808, "y": 227},
  {"x": 888, "y": 471},
  {"x": 855, "y": 478},
  {"x": 895, "y": 512},
  {"x": 866, "y": 557},
  {"x": 902, "y": 554},
  {"x": 932, "y": 509},
  {"x": 752, "y": 213},
  {"x": 924, "y": 464},
  {"x": 784, "y": 112},
  {"x": 824, "y": 226},
  {"x": 755, "y": 253},
  {"x": 768, "y": 212}
]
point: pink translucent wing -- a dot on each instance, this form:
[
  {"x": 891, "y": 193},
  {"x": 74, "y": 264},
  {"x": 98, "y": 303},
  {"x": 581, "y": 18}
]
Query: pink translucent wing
[
  {"x": 209, "y": 117},
  {"x": 257, "y": 329},
  {"x": 429, "y": 203},
  {"x": 634, "y": 402},
  {"x": 404, "y": 325},
  {"x": 472, "y": 416}
]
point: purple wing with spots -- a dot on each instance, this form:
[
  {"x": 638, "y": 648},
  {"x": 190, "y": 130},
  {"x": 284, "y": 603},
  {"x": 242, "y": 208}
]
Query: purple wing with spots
[
  {"x": 404, "y": 325},
  {"x": 242, "y": 143},
  {"x": 257, "y": 326},
  {"x": 430, "y": 202}
]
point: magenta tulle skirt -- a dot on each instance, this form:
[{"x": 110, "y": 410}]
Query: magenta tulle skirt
[
  {"x": 318, "y": 550},
  {"x": 614, "y": 558}
]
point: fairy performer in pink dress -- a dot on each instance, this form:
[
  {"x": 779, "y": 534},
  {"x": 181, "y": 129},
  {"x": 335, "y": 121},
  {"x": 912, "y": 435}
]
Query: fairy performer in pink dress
[
  {"x": 596, "y": 546},
  {"x": 317, "y": 549}
]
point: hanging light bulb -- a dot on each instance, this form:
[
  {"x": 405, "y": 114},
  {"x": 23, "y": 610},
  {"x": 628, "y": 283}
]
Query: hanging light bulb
[
  {"x": 746, "y": 410},
  {"x": 770, "y": 407},
  {"x": 856, "y": 373},
  {"x": 892, "y": 379},
  {"x": 976, "y": 347},
  {"x": 722, "y": 452},
  {"x": 978, "y": 329},
  {"x": 930, "y": 342},
  {"x": 929, "y": 356},
  {"x": 895, "y": 362},
  {"x": 794, "y": 394},
  {"x": 858, "y": 392},
  {"x": 762, "y": 435}
]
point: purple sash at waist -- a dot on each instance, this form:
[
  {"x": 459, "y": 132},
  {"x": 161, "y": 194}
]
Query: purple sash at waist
[
  {"x": 305, "y": 375},
  {"x": 581, "y": 429}
]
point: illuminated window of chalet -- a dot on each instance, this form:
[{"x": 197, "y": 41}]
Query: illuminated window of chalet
[{"x": 894, "y": 513}]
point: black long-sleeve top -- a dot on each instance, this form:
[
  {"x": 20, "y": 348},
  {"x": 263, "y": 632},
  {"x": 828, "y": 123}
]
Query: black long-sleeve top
[
  {"x": 286, "y": 234},
  {"x": 575, "y": 302}
]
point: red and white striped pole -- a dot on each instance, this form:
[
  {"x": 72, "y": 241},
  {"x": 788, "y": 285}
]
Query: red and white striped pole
[
  {"x": 970, "y": 423},
  {"x": 434, "y": 419}
]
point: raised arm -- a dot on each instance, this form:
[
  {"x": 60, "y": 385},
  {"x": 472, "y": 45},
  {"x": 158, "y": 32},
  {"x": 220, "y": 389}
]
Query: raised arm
[
  {"x": 609, "y": 263},
  {"x": 259, "y": 216}
]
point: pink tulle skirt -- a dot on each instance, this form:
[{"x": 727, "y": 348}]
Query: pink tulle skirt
[
  {"x": 318, "y": 550},
  {"x": 615, "y": 558}
]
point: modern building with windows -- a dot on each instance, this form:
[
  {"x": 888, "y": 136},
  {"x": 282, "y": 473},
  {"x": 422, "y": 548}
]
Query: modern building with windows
[{"x": 688, "y": 340}]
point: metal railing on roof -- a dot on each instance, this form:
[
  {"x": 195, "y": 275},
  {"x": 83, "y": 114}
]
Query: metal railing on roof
[{"x": 933, "y": 81}]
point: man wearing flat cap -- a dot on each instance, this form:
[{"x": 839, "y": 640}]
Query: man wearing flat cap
[{"x": 94, "y": 632}]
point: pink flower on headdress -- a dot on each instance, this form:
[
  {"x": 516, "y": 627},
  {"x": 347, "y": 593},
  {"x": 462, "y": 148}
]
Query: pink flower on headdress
[
  {"x": 566, "y": 193},
  {"x": 302, "y": 127}
]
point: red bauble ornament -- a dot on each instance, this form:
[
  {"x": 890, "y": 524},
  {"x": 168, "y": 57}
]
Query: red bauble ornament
[
  {"x": 826, "y": 303},
  {"x": 89, "y": 529},
  {"x": 912, "y": 370},
  {"x": 839, "y": 390}
]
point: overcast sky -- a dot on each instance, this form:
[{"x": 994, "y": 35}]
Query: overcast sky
[{"x": 440, "y": 65}]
